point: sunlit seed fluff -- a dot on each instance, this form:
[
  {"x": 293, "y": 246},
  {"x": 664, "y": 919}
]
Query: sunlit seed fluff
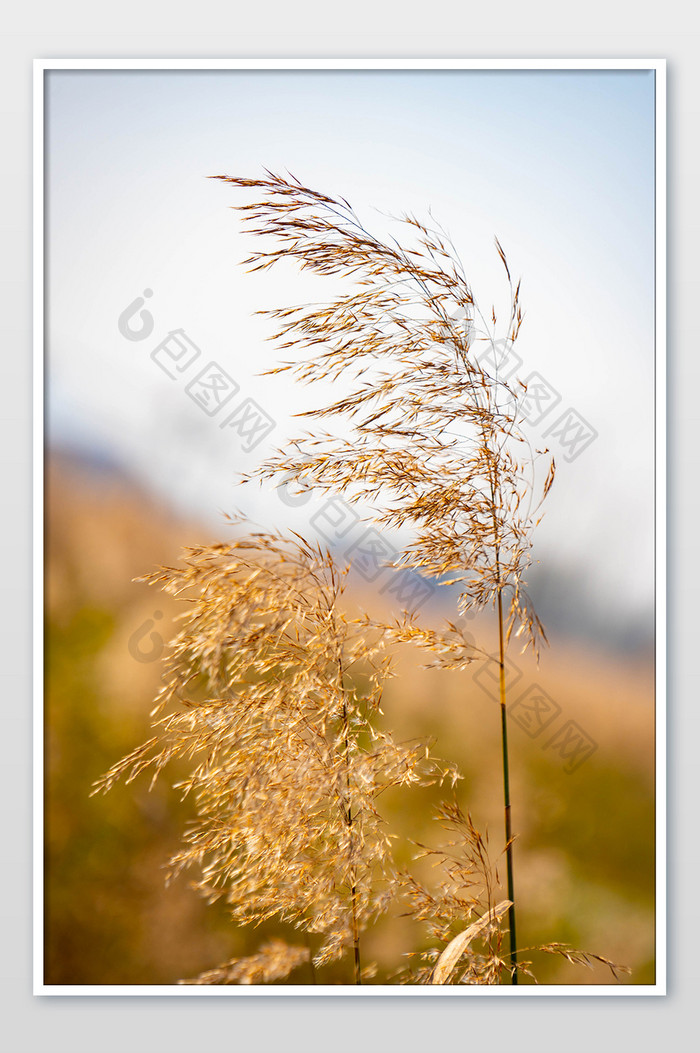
[
  {"x": 435, "y": 438},
  {"x": 261, "y": 696}
]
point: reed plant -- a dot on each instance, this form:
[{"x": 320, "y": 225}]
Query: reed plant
[
  {"x": 272, "y": 691},
  {"x": 272, "y": 694},
  {"x": 433, "y": 434}
]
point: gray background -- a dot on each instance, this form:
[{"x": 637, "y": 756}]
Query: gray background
[{"x": 218, "y": 30}]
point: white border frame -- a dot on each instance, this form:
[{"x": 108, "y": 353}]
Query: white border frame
[{"x": 41, "y": 66}]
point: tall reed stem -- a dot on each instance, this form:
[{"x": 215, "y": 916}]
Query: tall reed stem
[
  {"x": 495, "y": 490},
  {"x": 506, "y": 793}
]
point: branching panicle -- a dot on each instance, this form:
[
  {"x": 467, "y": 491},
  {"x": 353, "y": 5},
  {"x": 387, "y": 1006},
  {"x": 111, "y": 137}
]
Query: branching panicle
[
  {"x": 272, "y": 692},
  {"x": 261, "y": 695},
  {"x": 435, "y": 435},
  {"x": 432, "y": 430}
]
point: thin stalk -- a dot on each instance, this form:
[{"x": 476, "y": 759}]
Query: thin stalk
[
  {"x": 504, "y": 733},
  {"x": 506, "y": 794}
]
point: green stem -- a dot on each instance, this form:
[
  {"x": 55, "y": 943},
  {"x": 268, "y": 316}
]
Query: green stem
[{"x": 506, "y": 794}]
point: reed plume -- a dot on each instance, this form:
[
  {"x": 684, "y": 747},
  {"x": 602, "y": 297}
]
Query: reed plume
[
  {"x": 432, "y": 434},
  {"x": 273, "y": 694}
]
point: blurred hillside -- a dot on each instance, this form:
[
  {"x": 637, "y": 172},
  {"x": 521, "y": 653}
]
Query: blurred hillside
[{"x": 582, "y": 753}]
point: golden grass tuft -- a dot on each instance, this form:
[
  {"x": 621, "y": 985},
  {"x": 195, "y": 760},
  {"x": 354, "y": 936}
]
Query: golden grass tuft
[{"x": 272, "y": 694}]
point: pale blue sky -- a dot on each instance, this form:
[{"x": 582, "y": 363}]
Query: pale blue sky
[{"x": 560, "y": 165}]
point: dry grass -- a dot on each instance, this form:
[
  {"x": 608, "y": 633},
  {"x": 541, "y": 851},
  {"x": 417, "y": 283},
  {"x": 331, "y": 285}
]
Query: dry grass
[
  {"x": 272, "y": 693},
  {"x": 435, "y": 442},
  {"x": 434, "y": 436},
  {"x": 121, "y": 927}
]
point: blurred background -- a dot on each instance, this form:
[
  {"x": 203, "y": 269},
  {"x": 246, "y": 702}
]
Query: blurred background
[{"x": 146, "y": 303}]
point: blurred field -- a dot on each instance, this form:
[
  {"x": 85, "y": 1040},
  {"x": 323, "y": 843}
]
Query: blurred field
[{"x": 585, "y": 837}]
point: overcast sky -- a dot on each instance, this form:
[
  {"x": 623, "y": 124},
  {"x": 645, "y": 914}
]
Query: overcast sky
[{"x": 558, "y": 165}]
